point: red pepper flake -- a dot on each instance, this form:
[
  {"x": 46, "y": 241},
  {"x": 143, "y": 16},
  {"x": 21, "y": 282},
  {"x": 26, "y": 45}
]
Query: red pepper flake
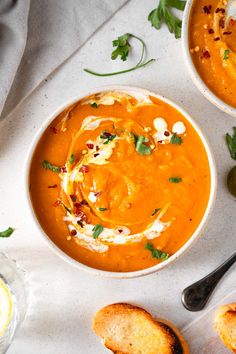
[
  {"x": 97, "y": 194},
  {"x": 57, "y": 203},
  {"x": 220, "y": 9},
  {"x": 63, "y": 169},
  {"x": 210, "y": 31},
  {"x": 73, "y": 232},
  {"x": 53, "y": 186},
  {"x": 73, "y": 197},
  {"x": 222, "y": 22},
  {"x": 106, "y": 134},
  {"x": 95, "y": 155},
  {"x": 97, "y": 147},
  {"x": 227, "y": 33},
  {"x": 216, "y": 39},
  {"x": 160, "y": 141},
  {"x": 83, "y": 202},
  {"x": 205, "y": 54},
  {"x": 81, "y": 215},
  {"x": 77, "y": 205},
  {"x": 120, "y": 231},
  {"x": 79, "y": 222},
  {"x": 232, "y": 22},
  {"x": 84, "y": 169},
  {"x": 54, "y": 130},
  {"x": 166, "y": 133},
  {"x": 207, "y": 9},
  {"x": 90, "y": 146}
]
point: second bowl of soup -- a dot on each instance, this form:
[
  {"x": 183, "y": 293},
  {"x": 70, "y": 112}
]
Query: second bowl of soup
[{"x": 209, "y": 37}]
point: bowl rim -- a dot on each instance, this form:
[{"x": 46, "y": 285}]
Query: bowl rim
[
  {"x": 104, "y": 273},
  {"x": 196, "y": 78}
]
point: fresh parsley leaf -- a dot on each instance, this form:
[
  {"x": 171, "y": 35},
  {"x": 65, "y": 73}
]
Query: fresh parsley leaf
[
  {"x": 226, "y": 54},
  {"x": 163, "y": 14},
  {"x": 107, "y": 136},
  {"x": 155, "y": 252},
  {"x": 123, "y": 47},
  {"x": 155, "y": 211},
  {"x": 231, "y": 142},
  {"x": 123, "y": 50},
  {"x": 175, "y": 179},
  {"x": 72, "y": 158},
  {"x": 48, "y": 166},
  {"x": 7, "y": 232},
  {"x": 94, "y": 105},
  {"x": 102, "y": 209},
  {"x": 140, "y": 147},
  {"x": 97, "y": 230},
  {"x": 175, "y": 139}
]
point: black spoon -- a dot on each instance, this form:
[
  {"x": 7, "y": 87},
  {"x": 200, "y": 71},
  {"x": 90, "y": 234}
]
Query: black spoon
[{"x": 195, "y": 296}]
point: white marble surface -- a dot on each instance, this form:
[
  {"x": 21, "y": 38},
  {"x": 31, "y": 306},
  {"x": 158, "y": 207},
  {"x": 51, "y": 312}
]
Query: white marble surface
[{"x": 63, "y": 299}]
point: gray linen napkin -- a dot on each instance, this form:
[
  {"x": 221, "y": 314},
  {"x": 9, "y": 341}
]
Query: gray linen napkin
[{"x": 56, "y": 29}]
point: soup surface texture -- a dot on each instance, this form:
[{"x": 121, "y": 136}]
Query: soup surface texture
[
  {"x": 212, "y": 42},
  {"x": 120, "y": 182}
]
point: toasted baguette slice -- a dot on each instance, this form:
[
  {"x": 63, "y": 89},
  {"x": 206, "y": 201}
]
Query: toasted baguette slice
[
  {"x": 225, "y": 323},
  {"x": 127, "y": 329}
]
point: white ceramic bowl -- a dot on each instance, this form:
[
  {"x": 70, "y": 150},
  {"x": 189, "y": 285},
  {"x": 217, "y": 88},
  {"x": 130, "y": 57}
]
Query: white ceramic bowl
[
  {"x": 187, "y": 245},
  {"x": 192, "y": 70}
]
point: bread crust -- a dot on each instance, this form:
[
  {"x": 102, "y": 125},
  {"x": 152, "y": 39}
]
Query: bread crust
[
  {"x": 128, "y": 329},
  {"x": 225, "y": 324}
]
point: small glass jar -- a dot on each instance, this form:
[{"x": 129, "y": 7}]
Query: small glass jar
[{"x": 13, "y": 280}]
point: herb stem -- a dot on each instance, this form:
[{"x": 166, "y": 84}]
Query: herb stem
[
  {"x": 143, "y": 48},
  {"x": 119, "y": 72}
]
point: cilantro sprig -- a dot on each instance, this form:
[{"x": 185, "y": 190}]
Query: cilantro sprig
[
  {"x": 72, "y": 158},
  {"x": 226, "y": 54},
  {"x": 140, "y": 146},
  {"x": 48, "y": 166},
  {"x": 155, "y": 252},
  {"x": 175, "y": 179},
  {"x": 231, "y": 142},
  {"x": 175, "y": 139},
  {"x": 97, "y": 229},
  {"x": 123, "y": 49},
  {"x": 107, "y": 137},
  {"x": 7, "y": 232},
  {"x": 163, "y": 14},
  {"x": 102, "y": 209}
]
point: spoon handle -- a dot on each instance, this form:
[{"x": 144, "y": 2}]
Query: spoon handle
[{"x": 195, "y": 296}]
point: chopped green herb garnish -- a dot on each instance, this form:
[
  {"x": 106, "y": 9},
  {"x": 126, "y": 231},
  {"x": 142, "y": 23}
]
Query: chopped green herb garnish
[
  {"x": 107, "y": 136},
  {"x": 7, "y": 232},
  {"x": 226, "y": 54},
  {"x": 48, "y": 166},
  {"x": 155, "y": 211},
  {"x": 94, "y": 105},
  {"x": 231, "y": 142},
  {"x": 140, "y": 147},
  {"x": 97, "y": 230},
  {"x": 67, "y": 209},
  {"x": 122, "y": 50},
  {"x": 175, "y": 139},
  {"x": 102, "y": 209},
  {"x": 72, "y": 158},
  {"x": 123, "y": 47},
  {"x": 175, "y": 179},
  {"x": 155, "y": 252},
  {"x": 163, "y": 14}
]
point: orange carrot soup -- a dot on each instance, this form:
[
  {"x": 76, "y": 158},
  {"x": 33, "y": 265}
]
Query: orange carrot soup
[
  {"x": 120, "y": 182},
  {"x": 212, "y": 42}
]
